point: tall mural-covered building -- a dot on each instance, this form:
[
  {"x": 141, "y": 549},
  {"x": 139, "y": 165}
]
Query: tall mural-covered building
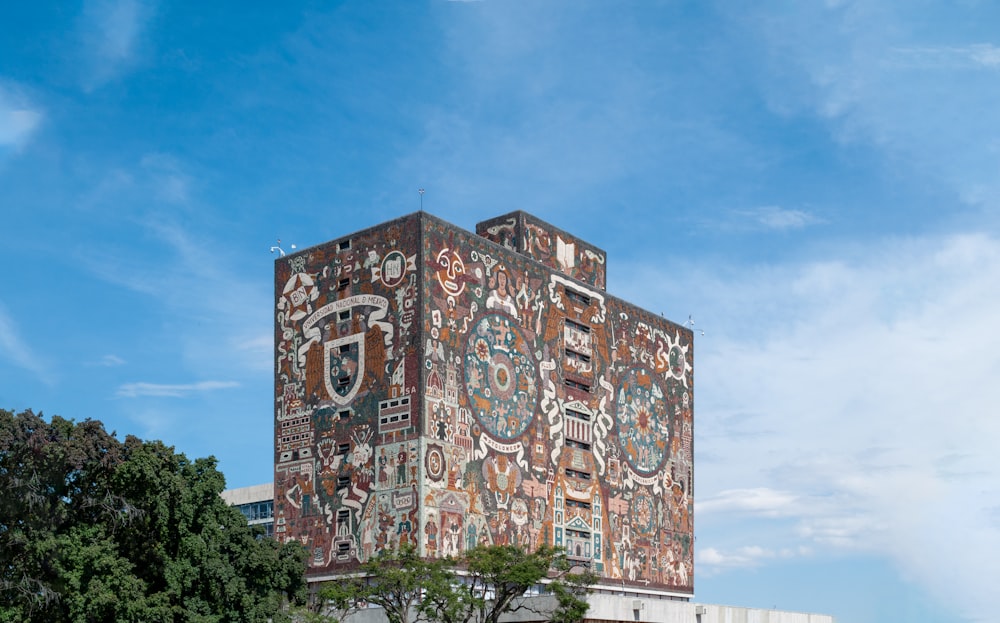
[{"x": 448, "y": 389}]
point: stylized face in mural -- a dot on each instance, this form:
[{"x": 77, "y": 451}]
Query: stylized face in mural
[
  {"x": 502, "y": 283},
  {"x": 677, "y": 362},
  {"x": 500, "y": 377},
  {"x": 450, "y": 272},
  {"x": 643, "y": 421},
  {"x": 671, "y": 357}
]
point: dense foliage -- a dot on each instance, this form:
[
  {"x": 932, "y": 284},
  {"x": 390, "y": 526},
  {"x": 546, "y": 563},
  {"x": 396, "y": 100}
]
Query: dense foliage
[
  {"x": 479, "y": 587},
  {"x": 96, "y": 529}
]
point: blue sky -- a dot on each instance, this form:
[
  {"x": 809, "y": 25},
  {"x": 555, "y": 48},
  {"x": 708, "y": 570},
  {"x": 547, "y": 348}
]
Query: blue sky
[{"x": 816, "y": 183}]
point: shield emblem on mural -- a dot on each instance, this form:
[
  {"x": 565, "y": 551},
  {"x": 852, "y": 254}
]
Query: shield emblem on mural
[{"x": 344, "y": 362}]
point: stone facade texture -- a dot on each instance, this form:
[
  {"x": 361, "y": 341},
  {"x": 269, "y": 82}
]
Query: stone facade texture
[{"x": 447, "y": 389}]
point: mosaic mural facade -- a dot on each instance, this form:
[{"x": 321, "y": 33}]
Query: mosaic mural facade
[{"x": 447, "y": 389}]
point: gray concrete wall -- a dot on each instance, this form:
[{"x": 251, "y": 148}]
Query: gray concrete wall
[
  {"x": 731, "y": 614},
  {"x": 248, "y": 495},
  {"x": 626, "y": 609}
]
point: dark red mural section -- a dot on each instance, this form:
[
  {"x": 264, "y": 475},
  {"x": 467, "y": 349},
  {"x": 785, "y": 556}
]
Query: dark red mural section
[{"x": 347, "y": 330}]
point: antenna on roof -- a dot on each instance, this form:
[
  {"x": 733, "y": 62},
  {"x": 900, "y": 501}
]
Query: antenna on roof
[
  {"x": 421, "y": 191},
  {"x": 690, "y": 324},
  {"x": 278, "y": 248}
]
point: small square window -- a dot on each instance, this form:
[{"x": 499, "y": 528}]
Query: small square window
[{"x": 577, "y": 297}]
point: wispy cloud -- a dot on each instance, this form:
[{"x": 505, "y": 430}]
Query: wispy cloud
[
  {"x": 983, "y": 55},
  {"x": 537, "y": 133},
  {"x": 758, "y": 501},
  {"x": 256, "y": 350},
  {"x": 16, "y": 350},
  {"x": 109, "y": 33},
  {"x": 843, "y": 532},
  {"x": 110, "y": 361},
  {"x": 187, "y": 269},
  {"x": 777, "y": 218},
  {"x": 874, "y": 74},
  {"x": 18, "y": 117},
  {"x": 135, "y": 390},
  {"x": 167, "y": 177},
  {"x": 710, "y": 559}
]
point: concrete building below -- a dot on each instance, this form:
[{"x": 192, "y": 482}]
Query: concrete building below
[{"x": 256, "y": 502}]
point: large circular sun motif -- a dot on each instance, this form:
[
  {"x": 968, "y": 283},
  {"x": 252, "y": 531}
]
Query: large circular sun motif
[
  {"x": 500, "y": 377},
  {"x": 643, "y": 421}
]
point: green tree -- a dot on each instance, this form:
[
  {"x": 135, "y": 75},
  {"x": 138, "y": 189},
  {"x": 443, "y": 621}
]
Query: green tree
[
  {"x": 479, "y": 587},
  {"x": 95, "y": 529},
  {"x": 396, "y": 581},
  {"x": 499, "y": 579}
]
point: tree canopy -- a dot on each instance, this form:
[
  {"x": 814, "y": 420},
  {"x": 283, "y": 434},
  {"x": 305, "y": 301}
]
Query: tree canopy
[
  {"x": 483, "y": 584},
  {"x": 97, "y": 529}
]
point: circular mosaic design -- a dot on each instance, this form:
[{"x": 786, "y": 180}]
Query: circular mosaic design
[
  {"x": 500, "y": 377},
  {"x": 643, "y": 421},
  {"x": 435, "y": 463}
]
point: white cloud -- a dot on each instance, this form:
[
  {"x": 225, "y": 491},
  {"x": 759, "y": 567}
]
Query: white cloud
[
  {"x": 110, "y": 32},
  {"x": 256, "y": 350},
  {"x": 869, "y": 379},
  {"x": 710, "y": 559},
  {"x": 18, "y": 118},
  {"x": 775, "y": 217},
  {"x": 111, "y": 361},
  {"x": 135, "y": 390},
  {"x": 15, "y": 349},
  {"x": 875, "y": 74},
  {"x": 218, "y": 294},
  {"x": 758, "y": 501},
  {"x": 982, "y": 55},
  {"x": 843, "y": 532}
]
